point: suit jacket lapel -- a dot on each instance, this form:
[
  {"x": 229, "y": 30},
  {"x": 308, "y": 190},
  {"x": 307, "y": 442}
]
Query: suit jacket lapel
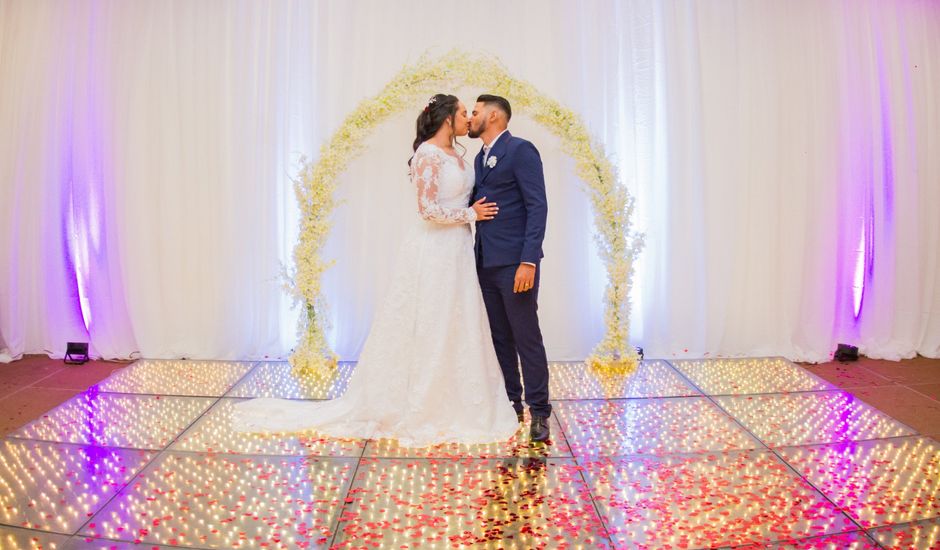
[{"x": 497, "y": 152}]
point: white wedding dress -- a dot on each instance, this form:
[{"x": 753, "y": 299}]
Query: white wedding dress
[{"x": 428, "y": 372}]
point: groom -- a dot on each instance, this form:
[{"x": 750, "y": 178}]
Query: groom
[{"x": 508, "y": 252}]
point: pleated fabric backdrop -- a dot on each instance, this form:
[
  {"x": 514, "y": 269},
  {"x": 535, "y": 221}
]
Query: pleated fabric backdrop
[{"x": 785, "y": 157}]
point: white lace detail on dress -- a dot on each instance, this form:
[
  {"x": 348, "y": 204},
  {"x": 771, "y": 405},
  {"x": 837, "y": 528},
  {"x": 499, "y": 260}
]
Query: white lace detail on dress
[{"x": 427, "y": 165}]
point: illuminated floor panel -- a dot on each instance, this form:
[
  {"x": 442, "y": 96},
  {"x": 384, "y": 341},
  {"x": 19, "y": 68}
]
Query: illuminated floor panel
[
  {"x": 57, "y": 487},
  {"x": 637, "y": 461},
  {"x": 518, "y": 446},
  {"x": 228, "y": 502},
  {"x": 117, "y": 420},
  {"x": 206, "y": 378},
  {"x": 213, "y": 433},
  {"x": 489, "y": 503},
  {"x": 719, "y": 499},
  {"x": 856, "y": 540},
  {"x": 23, "y": 539},
  {"x": 877, "y": 482},
  {"x": 279, "y": 380},
  {"x": 805, "y": 418},
  {"x": 610, "y": 428},
  {"x": 749, "y": 376},
  {"x": 921, "y": 535},
  {"x": 88, "y": 543},
  {"x": 651, "y": 379}
]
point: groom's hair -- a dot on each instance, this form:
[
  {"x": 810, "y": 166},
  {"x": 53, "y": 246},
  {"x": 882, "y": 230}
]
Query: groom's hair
[{"x": 499, "y": 102}]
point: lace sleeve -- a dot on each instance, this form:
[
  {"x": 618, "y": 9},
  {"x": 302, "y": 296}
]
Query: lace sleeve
[{"x": 425, "y": 174}]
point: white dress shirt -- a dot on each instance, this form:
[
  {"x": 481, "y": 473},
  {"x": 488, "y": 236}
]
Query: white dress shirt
[{"x": 488, "y": 148}]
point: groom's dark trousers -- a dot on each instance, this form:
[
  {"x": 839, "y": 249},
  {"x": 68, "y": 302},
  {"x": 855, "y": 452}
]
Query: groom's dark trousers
[
  {"x": 517, "y": 337},
  {"x": 513, "y": 179}
]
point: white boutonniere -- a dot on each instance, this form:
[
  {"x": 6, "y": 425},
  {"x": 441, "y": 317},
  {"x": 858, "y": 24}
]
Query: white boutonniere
[{"x": 491, "y": 161}]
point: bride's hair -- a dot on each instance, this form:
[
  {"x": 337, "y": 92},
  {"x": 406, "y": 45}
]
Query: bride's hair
[{"x": 434, "y": 115}]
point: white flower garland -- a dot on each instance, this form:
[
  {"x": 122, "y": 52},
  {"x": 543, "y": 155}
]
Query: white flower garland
[{"x": 316, "y": 182}]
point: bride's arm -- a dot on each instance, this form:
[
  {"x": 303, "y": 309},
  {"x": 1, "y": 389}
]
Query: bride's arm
[{"x": 426, "y": 170}]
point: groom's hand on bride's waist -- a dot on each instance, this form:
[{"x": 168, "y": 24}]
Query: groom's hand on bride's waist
[{"x": 525, "y": 278}]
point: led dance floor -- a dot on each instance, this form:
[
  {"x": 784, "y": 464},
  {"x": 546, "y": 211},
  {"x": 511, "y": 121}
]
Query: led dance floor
[{"x": 749, "y": 453}]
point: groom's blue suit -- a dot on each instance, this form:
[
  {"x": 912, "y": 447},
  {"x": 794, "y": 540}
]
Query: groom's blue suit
[{"x": 517, "y": 185}]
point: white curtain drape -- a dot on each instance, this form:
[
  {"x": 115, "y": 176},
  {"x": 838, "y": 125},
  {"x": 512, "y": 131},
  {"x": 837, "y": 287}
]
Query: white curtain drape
[
  {"x": 784, "y": 157},
  {"x": 793, "y": 184},
  {"x": 147, "y": 149}
]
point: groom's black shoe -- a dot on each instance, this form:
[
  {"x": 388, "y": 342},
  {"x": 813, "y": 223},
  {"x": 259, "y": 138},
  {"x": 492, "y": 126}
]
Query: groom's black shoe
[
  {"x": 539, "y": 431},
  {"x": 520, "y": 416}
]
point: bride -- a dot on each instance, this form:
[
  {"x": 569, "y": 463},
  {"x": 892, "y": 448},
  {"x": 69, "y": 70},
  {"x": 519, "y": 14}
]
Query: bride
[{"x": 428, "y": 372}]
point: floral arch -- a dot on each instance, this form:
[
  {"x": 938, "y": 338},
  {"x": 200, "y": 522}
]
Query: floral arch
[{"x": 618, "y": 244}]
